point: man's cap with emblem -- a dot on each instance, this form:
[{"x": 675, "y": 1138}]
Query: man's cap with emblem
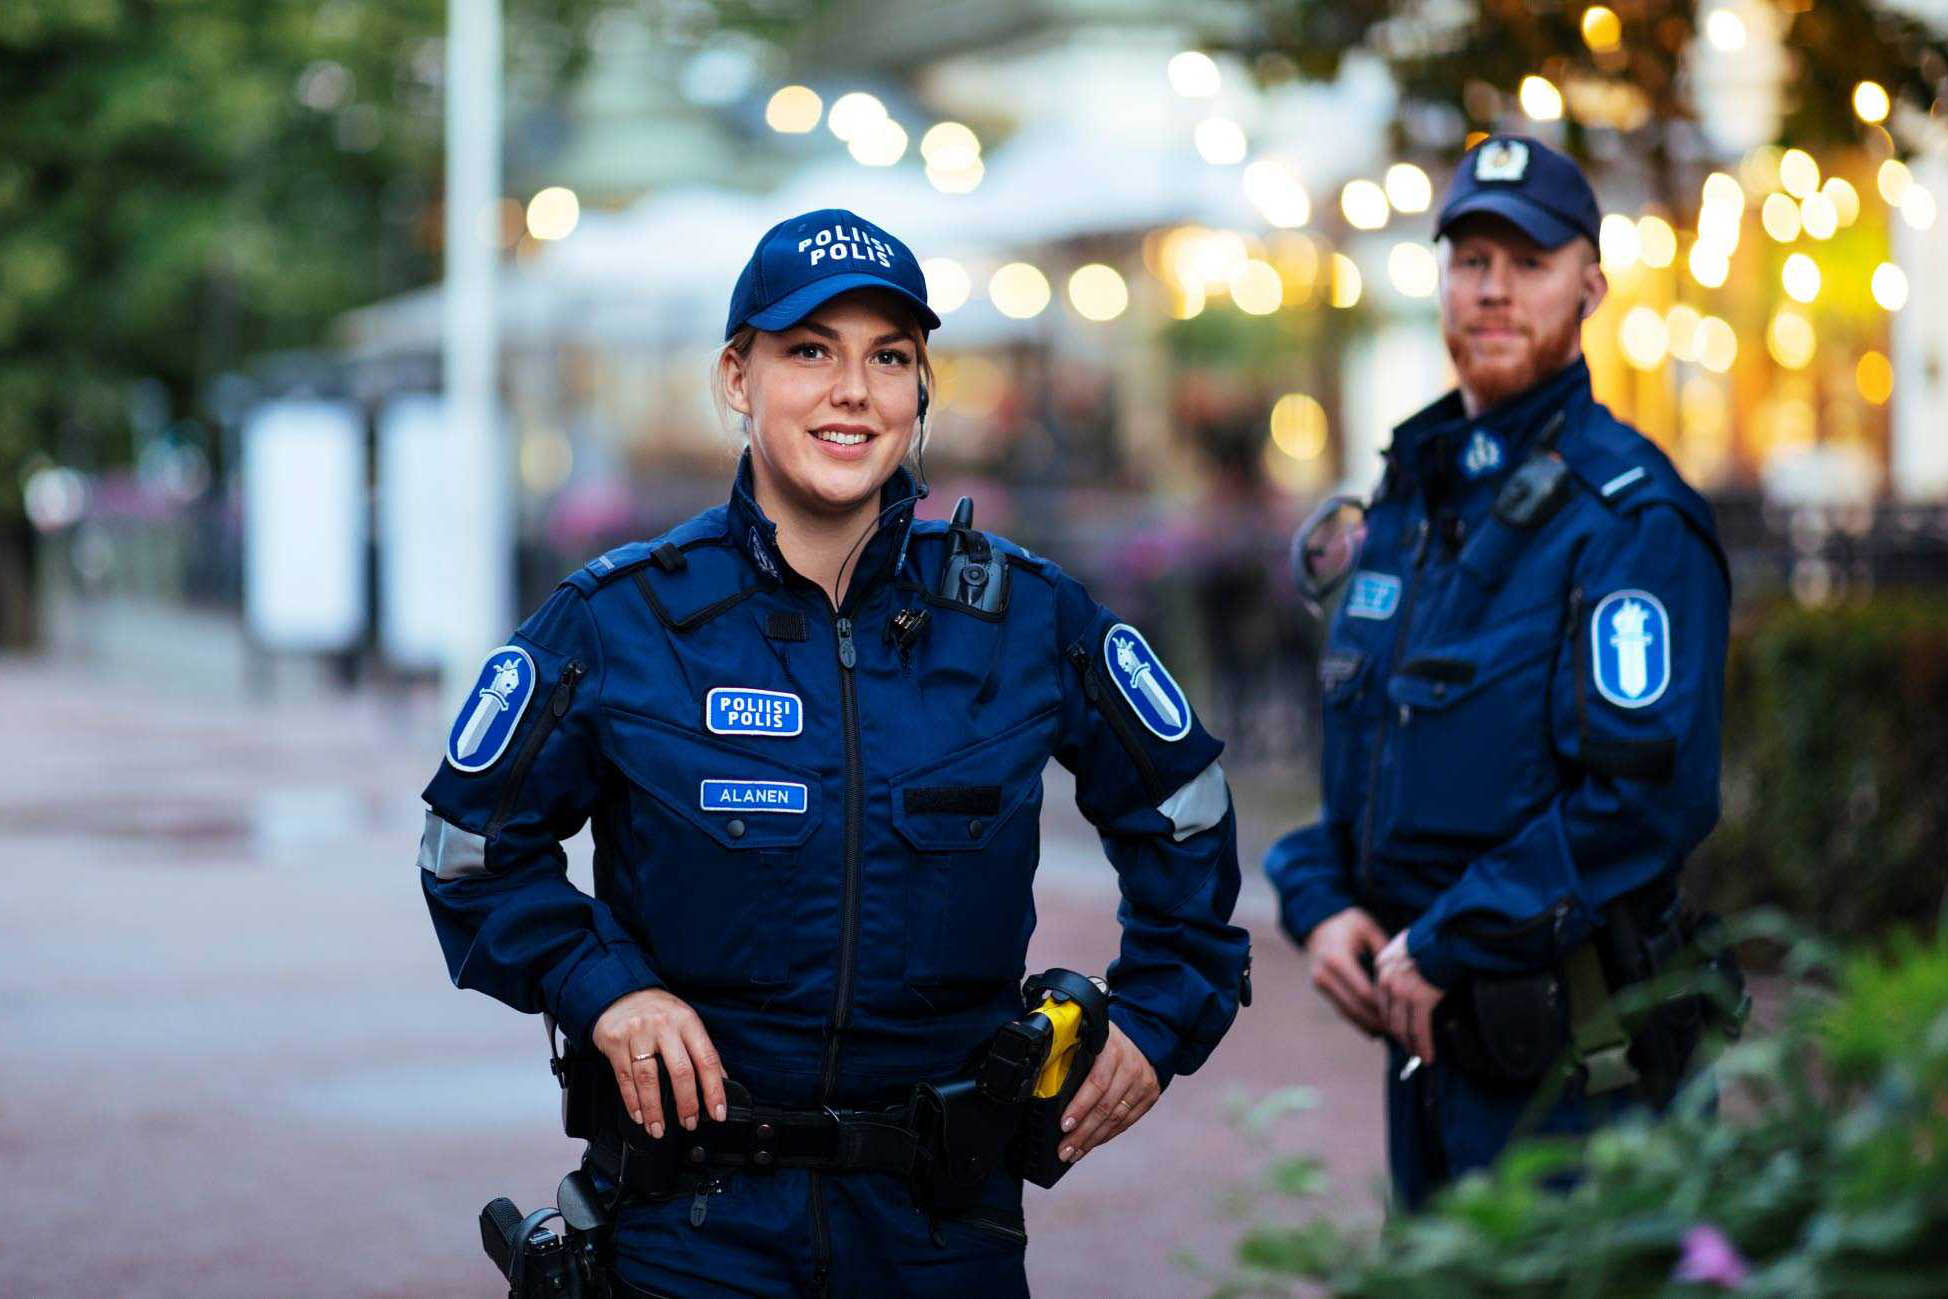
[
  {"x": 802, "y": 263},
  {"x": 1524, "y": 181}
]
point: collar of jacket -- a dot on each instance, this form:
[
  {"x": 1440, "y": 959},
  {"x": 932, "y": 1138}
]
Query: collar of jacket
[
  {"x": 756, "y": 536},
  {"x": 1426, "y": 442}
]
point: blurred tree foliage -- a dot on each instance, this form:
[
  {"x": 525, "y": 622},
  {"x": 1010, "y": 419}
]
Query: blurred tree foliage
[
  {"x": 1827, "y": 1177},
  {"x": 1836, "y": 766},
  {"x": 187, "y": 183},
  {"x": 1459, "y": 66}
]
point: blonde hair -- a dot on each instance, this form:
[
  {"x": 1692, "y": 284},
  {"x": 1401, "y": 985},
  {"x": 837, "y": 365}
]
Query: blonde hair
[{"x": 739, "y": 345}]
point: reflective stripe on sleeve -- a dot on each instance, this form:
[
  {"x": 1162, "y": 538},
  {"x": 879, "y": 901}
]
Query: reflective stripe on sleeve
[
  {"x": 450, "y": 852},
  {"x": 1199, "y": 805}
]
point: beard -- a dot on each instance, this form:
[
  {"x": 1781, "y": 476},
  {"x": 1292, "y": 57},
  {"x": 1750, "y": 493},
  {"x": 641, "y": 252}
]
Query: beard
[{"x": 1494, "y": 373}]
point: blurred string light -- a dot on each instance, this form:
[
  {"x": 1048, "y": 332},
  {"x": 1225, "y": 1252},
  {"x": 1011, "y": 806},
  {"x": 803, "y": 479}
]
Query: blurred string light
[
  {"x": 1408, "y": 189},
  {"x": 1276, "y": 191},
  {"x": 1193, "y": 74},
  {"x": 1602, "y": 29},
  {"x": 1019, "y": 291},
  {"x": 1297, "y": 259},
  {"x": 1889, "y": 286},
  {"x": 1818, "y": 216},
  {"x": 1893, "y": 180},
  {"x": 1722, "y": 190},
  {"x": 1758, "y": 170},
  {"x": 1364, "y": 204},
  {"x": 1681, "y": 327},
  {"x": 1413, "y": 270},
  {"x": 1874, "y": 377},
  {"x": 1918, "y": 207},
  {"x": 1098, "y": 293},
  {"x": 1798, "y": 173},
  {"x": 1791, "y": 339},
  {"x": 1709, "y": 264},
  {"x": 1344, "y": 282},
  {"x": 1716, "y": 344},
  {"x": 878, "y": 144},
  {"x": 1844, "y": 198},
  {"x": 1870, "y": 102},
  {"x": 1800, "y": 277},
  {"x": 1540, "y": 99},
  {"x": 1299, "y": 426},
  {"x": 554, "y": 213},
  {"x": 1656, "y": 241},
  {"x": 853, "y": 113},
  {"x": 1725, "y": 30},
  {"x": 948, "y": 284},
  {"x": 1780, "y": 217},
  {"x": 1186, "y": 301},
  {"x": 1616, "y": 242},
  {"x": 794, "y": 110},
  {"x": 952, "y": 153},
  {"x": 1256, "y": 289},
  {"x": 54, "y": 497},
  {"x": 1643, "y": 338},
  {"x": 1221, "y": 142}
]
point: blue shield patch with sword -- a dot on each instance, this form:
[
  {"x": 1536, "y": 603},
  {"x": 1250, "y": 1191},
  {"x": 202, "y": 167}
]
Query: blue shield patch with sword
[
  {"x": 1139, "y": 675},
  {"x": 492, "y": 710}
]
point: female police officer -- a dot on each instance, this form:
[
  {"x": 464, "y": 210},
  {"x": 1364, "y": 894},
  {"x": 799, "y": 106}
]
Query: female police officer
[{"x": 809, "y": 732}]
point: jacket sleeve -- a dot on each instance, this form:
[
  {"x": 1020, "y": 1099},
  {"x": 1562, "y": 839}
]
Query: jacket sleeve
[
  {"x": 495, "y": 877},
  {"x": 1163, "y": 810},
  {"x": 1637, "y": 701},
  {"x": 1312, "y": 869}
]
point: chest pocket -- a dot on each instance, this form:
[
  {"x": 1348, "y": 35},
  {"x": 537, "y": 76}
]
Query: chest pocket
[
  {"x": 1471, "y": 737},
  {"x": 718, "y": 832},
  {"x": 972, "y": 822}
]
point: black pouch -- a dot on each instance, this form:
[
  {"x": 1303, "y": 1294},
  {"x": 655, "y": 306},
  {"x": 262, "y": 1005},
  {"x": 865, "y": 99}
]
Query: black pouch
[
  {"x": 963, "y": 1136},
  {"x": 1504, "y": 1031}
]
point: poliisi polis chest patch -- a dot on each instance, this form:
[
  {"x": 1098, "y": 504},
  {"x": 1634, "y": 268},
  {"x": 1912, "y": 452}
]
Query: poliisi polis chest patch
[{"x": 745, "y": 710}]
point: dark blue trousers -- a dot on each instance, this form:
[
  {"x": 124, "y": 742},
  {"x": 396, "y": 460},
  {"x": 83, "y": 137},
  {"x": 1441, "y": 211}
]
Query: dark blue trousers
[{"x": 797, "y": 1233}]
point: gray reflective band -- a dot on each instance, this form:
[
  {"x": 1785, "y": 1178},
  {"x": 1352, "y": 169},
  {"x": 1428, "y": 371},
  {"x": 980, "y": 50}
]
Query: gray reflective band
[
  {"x": 450, "y": 852},
  {"x": 1199, "y": 805},
  {"x": 1623, "y": 480}
]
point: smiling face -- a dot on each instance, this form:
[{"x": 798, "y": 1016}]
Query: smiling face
[
  {"x": 833, "y": 404},
  {"x": 1512, "y": 311}
]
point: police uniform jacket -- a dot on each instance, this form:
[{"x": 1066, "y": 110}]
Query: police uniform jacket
[
  {"x": 822, "y": 836},
  {"x": 1521, "y": 721}
]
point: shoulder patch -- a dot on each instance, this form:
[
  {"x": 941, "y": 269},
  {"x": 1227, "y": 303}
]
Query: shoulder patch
[
  {"x": 1149, "y": 689},
  {"x": 493, "y": 709},
  {"x": 1630, "y": 640}
]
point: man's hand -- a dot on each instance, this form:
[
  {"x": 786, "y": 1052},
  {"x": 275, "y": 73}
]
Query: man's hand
[
  {"x": 1119, "y": 1090},
  {"x": 644, "y": 1028},
  {"x": 1337, "y": 948},
  {"x": 1407, "y": 1000}
]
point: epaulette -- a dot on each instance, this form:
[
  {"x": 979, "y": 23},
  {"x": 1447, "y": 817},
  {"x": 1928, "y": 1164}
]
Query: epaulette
[
  {"x": 687, "y": 576},
  {"x": 1628, "y": 473}
]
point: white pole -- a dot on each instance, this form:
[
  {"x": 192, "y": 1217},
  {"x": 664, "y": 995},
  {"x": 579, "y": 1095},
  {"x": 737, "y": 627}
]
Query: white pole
[{"x": 480, "y": 542}]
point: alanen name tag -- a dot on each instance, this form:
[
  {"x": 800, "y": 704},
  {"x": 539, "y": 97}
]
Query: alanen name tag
[{"x": 752, "y": 796}]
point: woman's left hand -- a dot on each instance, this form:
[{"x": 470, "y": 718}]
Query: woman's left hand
[{"x": 1118, "y": 1091}]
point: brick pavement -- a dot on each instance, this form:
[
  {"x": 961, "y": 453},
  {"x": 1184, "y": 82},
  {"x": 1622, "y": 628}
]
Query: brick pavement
[{"x": 231, "y": 1064}]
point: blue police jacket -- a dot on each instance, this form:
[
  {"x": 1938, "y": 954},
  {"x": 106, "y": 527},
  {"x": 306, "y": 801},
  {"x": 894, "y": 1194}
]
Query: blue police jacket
[
  {"x": 820, "y": 834},
  {"x": 1521, "y": 722}
]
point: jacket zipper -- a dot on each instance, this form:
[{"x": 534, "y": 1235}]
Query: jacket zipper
[
  {"x": 854, "y": 808},
  {"x": 558, "y": 705},
  {"x": 1092, "y": 689},
  {"x": 821, "y": 1237},
  {"x": 1386, "y": 728}
]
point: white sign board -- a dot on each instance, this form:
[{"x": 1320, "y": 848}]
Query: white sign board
[
  {"x": 415, "y": 486},
  {"x": 305, "y": 528}
]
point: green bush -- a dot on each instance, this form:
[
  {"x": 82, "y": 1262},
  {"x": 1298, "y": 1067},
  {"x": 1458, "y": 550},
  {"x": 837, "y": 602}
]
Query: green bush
[
  {"x": 1836, "y": 767},
  {"x": 1827, "y": 1176}
]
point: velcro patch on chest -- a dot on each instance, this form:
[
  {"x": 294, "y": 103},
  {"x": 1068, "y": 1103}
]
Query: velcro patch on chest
[
  {"x": 1374, "y": 595},
  {"x": 744, "y": 710},
  {"x": 752, "y": 796}
]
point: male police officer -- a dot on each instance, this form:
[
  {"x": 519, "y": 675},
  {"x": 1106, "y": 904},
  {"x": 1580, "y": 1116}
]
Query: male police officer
[{"x": 1522, "y": 709}]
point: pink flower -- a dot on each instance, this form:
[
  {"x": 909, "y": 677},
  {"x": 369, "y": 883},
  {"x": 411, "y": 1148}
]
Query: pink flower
[{"x": 1710, "y": 1259}]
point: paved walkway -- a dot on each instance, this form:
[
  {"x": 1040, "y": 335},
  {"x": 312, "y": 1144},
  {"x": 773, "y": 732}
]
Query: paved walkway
[{"x": 231, "y": 1063}]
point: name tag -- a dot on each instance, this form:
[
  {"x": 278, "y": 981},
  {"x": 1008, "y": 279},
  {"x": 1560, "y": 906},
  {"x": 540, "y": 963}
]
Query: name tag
[
  {"x": 752, "y": 796},
  {"x": 1374, "y": 595},
  {"x": 734, "y": 710}
]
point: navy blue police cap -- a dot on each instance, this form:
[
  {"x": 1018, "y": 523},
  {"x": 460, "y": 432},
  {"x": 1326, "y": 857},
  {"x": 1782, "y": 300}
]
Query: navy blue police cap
[
  {"x": 804, "y": 262},
  {"x": 1524, "y": 181}
]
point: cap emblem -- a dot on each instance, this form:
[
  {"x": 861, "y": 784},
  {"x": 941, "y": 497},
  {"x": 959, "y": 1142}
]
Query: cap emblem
[{"x": 1502, "y": 160}]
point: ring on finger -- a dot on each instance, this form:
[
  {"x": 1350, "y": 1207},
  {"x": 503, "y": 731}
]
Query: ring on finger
[{"x": 638, "y": 1059}]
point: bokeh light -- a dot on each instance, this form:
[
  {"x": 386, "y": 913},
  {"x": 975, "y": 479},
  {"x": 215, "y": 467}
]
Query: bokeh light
[
  {"x": 1097, "y": 292},
  {"x": 1725, "y": 30},
  {"x": 1844, "y": 198},
  {"x": 1616, "y": 242},
  {"x": 1256, "y": 289},
  {"x": 1716, "y": 344},
  {"x": 1408, "y": 189},
  {"x": 1874, "y": 377},
  {"x": 1801, "y": 278},
  {"x": 1656, "y": 241},
  {"x": 1791, "y": 339},
  {"x": 1413, "y": 269},
  {"x": 1709, "y": 264},
  {"x": 1602, "y": 29},
  {"x": 950, "y": 146},
  {"x": 1540, "y": 99},
  {"x": 1299, "y": 426},
  {"x": 948, "y": 284},
  {"x": 1780, "y": 217},
  {"x": 1344, "y": 290},
  {"x": 1018, "y": 291},
  {"x": 1818, "y": 217},
  {"x": 1193, "y": 74},
  {"x": 554, "y": 213},
  {"x": 1364, "y": 205},
  {"x": 1870, "y": 103},
  {"x": 793, "y": 110},
  {"x": 1221, "y": 141},
  {"x": 1798, "y": 173},
  {"x": 1643, "y": 338},
  {"x": 1276, "y": 191},
  {"x": 1889, "y": 286},
  {"x": 1893, "y": 180},
  {"x": 1918, "y": 207},
  {"x": 852, "y": 113},
  {"x": 878, "y": 143},
  {"x": 1681, "y": 326}
]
